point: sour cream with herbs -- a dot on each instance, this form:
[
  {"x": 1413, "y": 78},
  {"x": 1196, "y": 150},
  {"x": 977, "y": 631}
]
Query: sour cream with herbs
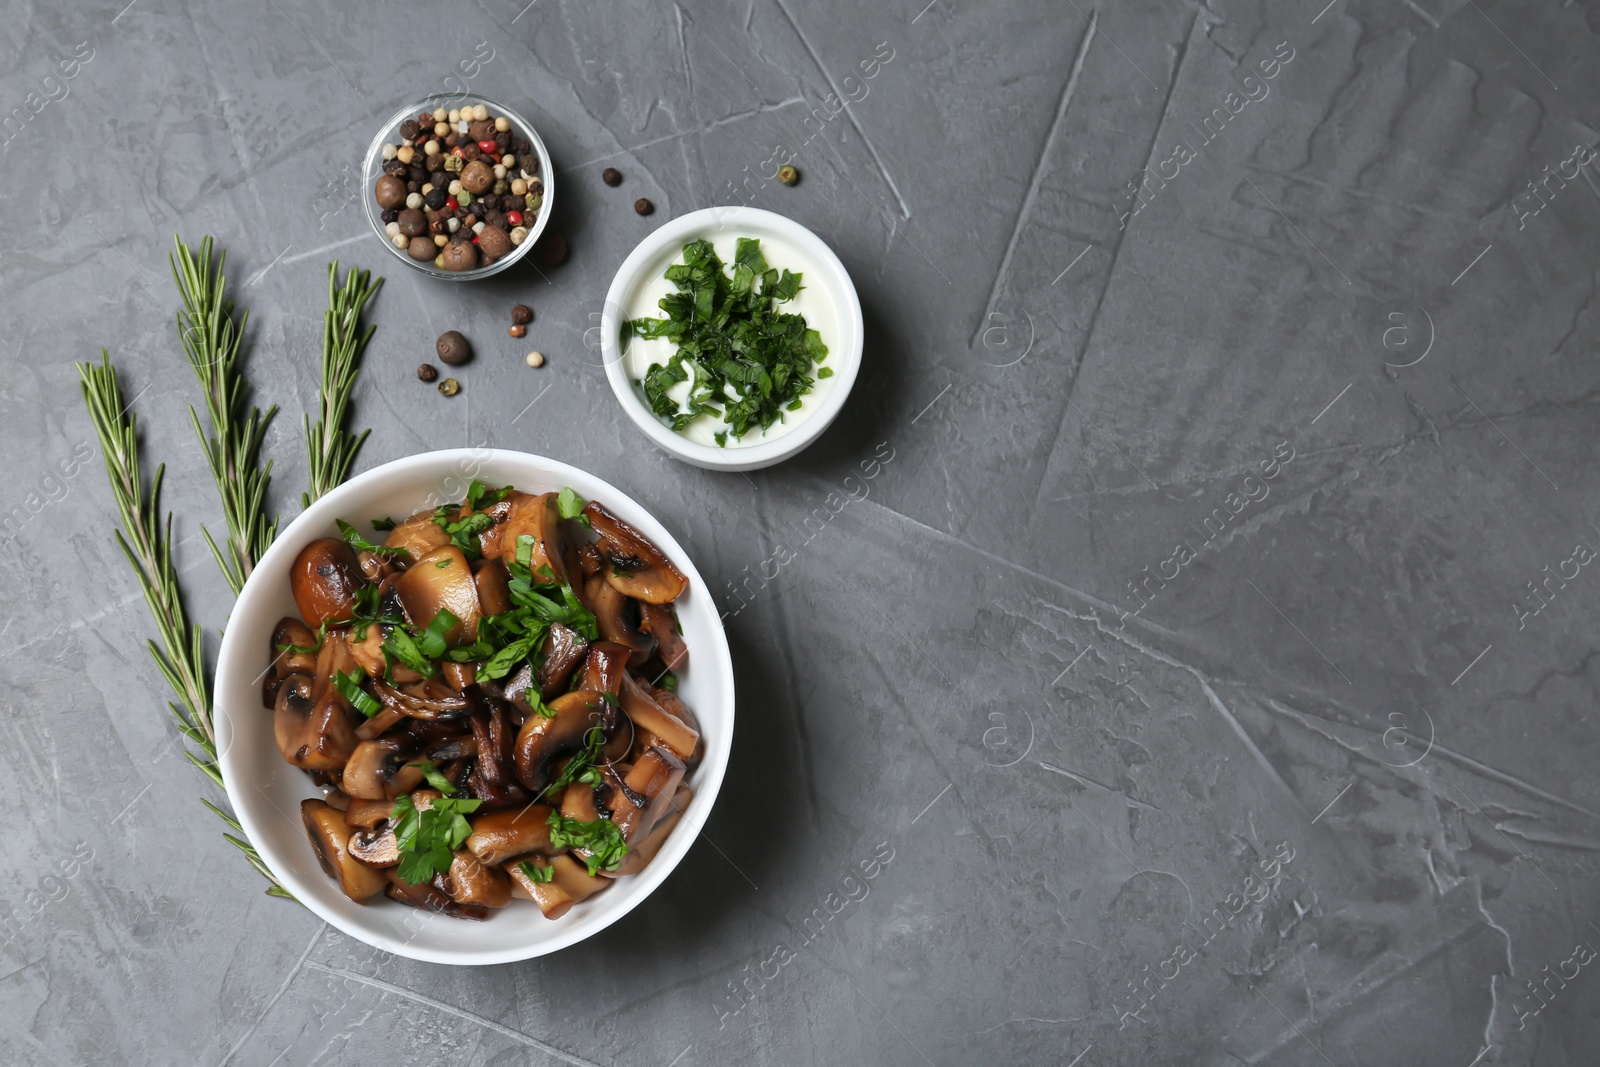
[{"x": 814, "y": 301}]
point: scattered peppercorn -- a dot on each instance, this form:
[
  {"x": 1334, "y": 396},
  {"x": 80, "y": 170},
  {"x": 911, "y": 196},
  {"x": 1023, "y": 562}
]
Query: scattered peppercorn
[
  {"x": 788, "y": 175},
  {"x": 535, "y": 359},
  {"x": 643, "y": 206},
  {"x": 449, "y": 387},
  {"x": 611, "y": 176},
  {"x": 453, "y": 348},
  {"x": 522, "y": 314},
  {"x": 517, "y": 330},
  {"x": 427, "y": 372}
]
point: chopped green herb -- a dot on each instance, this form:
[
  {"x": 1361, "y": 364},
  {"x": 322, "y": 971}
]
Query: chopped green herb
[
  {"x": 428, "y": 839},
  {"x": 443, "y": 563},
  {"x": 480, "y": 496},
  {"x": 825, "y": 372},
  {"x": 464, "y": 532},
  {"x": 385, "y": 524},
  {"x": 669, "y": 682},
  {"x": 430, "y": 642},
  {"x": 349, "y": 686},
  {"x": 571, "y": 505},
  {"x": 536, "y": 874},
  {"x": 721, "y": 437},
  {"x": 401, "y": 646},
  {"x": 525, "y": 549},
  {"x": 584, "y": 764},
  {"x": 750, "y": 362},
  {"x": 504, "y": 661},
  {"x": 601, "y": 838},
  {"x": 353, "y": 538}
]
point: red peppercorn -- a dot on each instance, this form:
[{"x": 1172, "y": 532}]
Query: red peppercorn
[
  {"x": 514, "y": 218},
  {"x": 489, "y": 147},
  {"x": 452, "y": 206},
  {"x": 458, "y": 152}
]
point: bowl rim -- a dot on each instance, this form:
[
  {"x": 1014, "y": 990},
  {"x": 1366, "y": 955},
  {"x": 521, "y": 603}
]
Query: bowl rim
[
  {"x": 846, "y": 368},
  {"x": 234, "y": 662},
  {"x": 370, "y": 169}
]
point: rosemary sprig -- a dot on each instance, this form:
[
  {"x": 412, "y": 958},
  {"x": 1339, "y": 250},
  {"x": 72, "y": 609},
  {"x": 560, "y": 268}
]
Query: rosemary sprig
[
  {"x": 148, "y": 545},
  {"x": 211, "y": 341},
  {"x": 332, "y": 448}
]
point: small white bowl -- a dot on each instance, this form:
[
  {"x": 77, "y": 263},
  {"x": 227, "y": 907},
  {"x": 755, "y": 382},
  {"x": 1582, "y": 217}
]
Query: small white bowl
[
  {"x": 664, "y": 246},
  {"x": 265, "y": 791}
]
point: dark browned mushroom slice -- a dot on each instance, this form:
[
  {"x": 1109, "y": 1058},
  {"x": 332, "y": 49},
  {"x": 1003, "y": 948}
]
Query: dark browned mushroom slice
[
  {"x": 637, "y": 567},
  {"x": 367, "y": 651},
  {"x": 553, "y": 901},
  {"x": 375, "y": 567},
  {"x": 499, "y": 835},
  {"x": 542, "y": 739},
  {"x": 470, "y": 881},
  {"x": 375, "y": 726},
  {"x": 430, "y": 700},
  {"x": 441, "y": 580},
  {"x": 376, "y": 847},
  {"x": 288, "y": 635},
  {"x": 577, "y": 802},
  {"x": 324, "y": 579},
  {"x": 333, "y": 658},
  {"x": 613, "y": 615},
  {"x": 564, "y": 649},
  {"x": 494, "y": 586},
  {"x": 458, "y": 675},
  {"x": 317, "y": 735},
  {"x": 604, "y": 667},
  {"x": 418, "y": 535},
  {"x": 639, "y": 856},
  {"x": 381, "y": 770},
  {"x": 428, "y": 898},
  {"x": 660, "y": 623},
  {"x": 653, "y": 779},
  {"x": 648, "y": 715},
  {"x": 330, "y": 839}
]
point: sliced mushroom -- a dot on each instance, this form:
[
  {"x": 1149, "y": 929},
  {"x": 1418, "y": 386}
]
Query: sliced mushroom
[
  {"x": 294, "y": 634},
  {"x": 551, "y": 898},
  {"x": 470, "y": 881},
  {"x": 662, "y": 624},
  {"x": 499, "y": 835},
  {"x": 564, "y": 649},
  {"x": 574, "y": 879},
  {"x": 653, "y": 780},
  {"x": 639, "y": 856},
  {"x": 330, "y": 839},
  {"x": 604, "y": 667},
  {"x": 374, "y": 566},
  {"x": 651, "y": 717},
  {"x": 541, "y": 740},
  {"x": 428, "y": 898},
  {"x": 317, "y": 735},
  {"x": 539, "y": 518},
  {"x": 429, "y": 700},
  {"x": 612, "y": 614},
  {"x": 333, "y": 658},
  {"x": 376, "y": 848},
  {"x": 418, "y": 535},
  {"x": 637, "y": 567},
  {"x": 380, "y": 769},
  {"x": 375, "y": 726},
  {"x": 441, "y": 580},
  {"x": 494, "y": 586},
  {"x": 577, "y": 802},
  {"x": 458, "y": 675},
  {"x": 367, "y": 813},
  {"x": 324, "y": 580}
]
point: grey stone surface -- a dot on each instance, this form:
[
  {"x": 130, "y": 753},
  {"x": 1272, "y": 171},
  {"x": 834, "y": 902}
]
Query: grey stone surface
[{"x": 1349, "y": 274}]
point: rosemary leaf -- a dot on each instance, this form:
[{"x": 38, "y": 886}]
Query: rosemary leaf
[
  {"x": 333, "y": 448},
  {"x": 233, "y": 447},
  {"x": 147, "y": 543}
]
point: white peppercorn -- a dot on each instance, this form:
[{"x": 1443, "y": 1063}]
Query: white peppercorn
[
  {"x": 502, "y": 124},
  {"x": 535, "y": 359},
  {"x": 440, "y": 114},
  {"x": 392, "y": 229},
  {"x": 413, "y": 200},
  {"x": 480, "y": 112},
  {"x": 431, "y": 148},
  {"x": 519, "y": 234},
  {"x": 388, "y": 151},
  {"x": 400, "y": 241}
]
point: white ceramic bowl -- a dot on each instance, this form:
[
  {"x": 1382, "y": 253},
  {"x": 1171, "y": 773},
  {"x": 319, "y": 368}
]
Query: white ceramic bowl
[
  {"x": 664, "y": 246},
  {"x": 266, "y": 792}
]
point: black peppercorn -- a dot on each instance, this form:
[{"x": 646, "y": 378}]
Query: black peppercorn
[
  {"x": 427, "y": 372},
  {"x": 418, "y": 173},
  {"x": 453, "y": 348},
  {"x": 643, "y": 206},
  {"x": 408, "y": 129},
  {"x": 396, "y": 169},
  {"x": 413, "y": 186},
  {"x": 436, "y": 197},
  {"x": 522, "y": 314},
  {"x": 390, "y": 214},
  {"x": 433, "y": 164},
  {"x": 611, "y": 176}
]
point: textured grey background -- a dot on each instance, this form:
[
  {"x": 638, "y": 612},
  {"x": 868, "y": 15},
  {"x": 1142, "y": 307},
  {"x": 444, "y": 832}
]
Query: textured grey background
[{"x": 944, "y": 671}]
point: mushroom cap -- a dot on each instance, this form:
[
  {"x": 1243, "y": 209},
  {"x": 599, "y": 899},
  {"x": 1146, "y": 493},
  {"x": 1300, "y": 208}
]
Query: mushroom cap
[
  {"x": 315, "y": 734},
  {"x": 330, "y": 839},
  {"x": 638, "y": 568},
  {"x": 543, "y": 739},
  {"x": 324, "y": 580}
]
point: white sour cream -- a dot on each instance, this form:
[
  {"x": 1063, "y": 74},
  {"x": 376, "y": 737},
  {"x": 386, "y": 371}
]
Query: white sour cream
[{"x": 814, "y": 301}]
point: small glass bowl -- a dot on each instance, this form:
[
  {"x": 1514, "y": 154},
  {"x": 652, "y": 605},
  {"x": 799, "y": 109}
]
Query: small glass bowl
[{"x": 389, "y": 133}]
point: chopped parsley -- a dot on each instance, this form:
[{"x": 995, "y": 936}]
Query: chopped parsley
[
  {"x": 584, "y": 764},
  {"x": 601, "y": 839},
  {"x": 536, "y": 874},
  {"x": 464, "y": 532},
  {"x": 400, "y": 647},
  {"x": 385, "y": 524},
  {"x": 571, "y": 505},
  {"x": 750, "y": 362},
  {"x": 353, "y": 538},
  {"x": 428, "y": 839},
  {"x": 349, "y": 686}
]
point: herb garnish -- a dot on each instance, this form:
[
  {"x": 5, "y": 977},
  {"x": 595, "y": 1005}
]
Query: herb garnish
[
  {"x": 602, "y": 839},
  {"x": 537, "y": 874},
  {"x": 384, "y": 524},
  {"x": 571, "y": 505},
  {"x": 464, "y": 532},
  {"x": 349, "y": 686},
  {"x": 480, "y": 496},
  {"x": 428, "y": 839},
  {"x": 353, "y": 538},
  {"x": 728, "y": 332}
]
